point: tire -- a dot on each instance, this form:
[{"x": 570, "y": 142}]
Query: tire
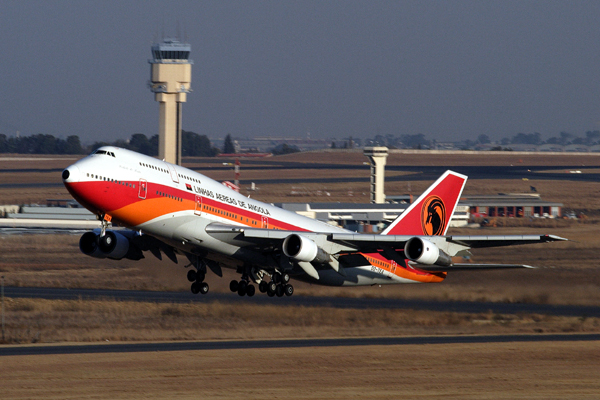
[
  {"x": 263, "y": 286},
  {"x": 203, "y": 287},
  {"x": 272, "y": 286},
  {"x": 289, "y": 290},
  {"x": 200, "y": 276},
  {"x": 195, "y": 288},
  {"x": 285, "y": 278},
  {"x": 279, "y": 291},
  {"x": 276, "y": 278},
  {"x": 233, "y": 286},
  {"x": 191, "y": 275},
  {"x": 250, "y": 290},
  {"x": 270, "y": 293}
]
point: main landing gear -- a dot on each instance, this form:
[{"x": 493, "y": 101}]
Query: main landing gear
[
  {"x": 197, "y": 277},
  {"x": 278, "y": 286},
  {"x": 242, "y": 287}
]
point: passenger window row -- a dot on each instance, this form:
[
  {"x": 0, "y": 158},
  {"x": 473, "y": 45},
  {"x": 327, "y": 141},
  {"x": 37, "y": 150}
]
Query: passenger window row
[
  {"x": 162, "y": 194},
  {"x": 154, "y": 167},
  {"x": 103, "y": 178}
]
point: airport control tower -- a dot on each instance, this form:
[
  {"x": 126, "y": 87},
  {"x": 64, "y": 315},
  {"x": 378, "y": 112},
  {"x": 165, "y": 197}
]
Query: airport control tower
[
  {"x": 377, "y": 157},
  {"x": 170, "y": 78}
]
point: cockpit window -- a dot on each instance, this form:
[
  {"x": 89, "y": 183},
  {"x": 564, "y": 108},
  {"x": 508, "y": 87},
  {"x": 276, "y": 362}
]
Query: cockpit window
[{"x": 108, "y": 153}]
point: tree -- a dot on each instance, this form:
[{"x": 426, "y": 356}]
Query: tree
[
  {"x": 527, "y": 138},
  {"x": 140, "y": 143},
  {"x": 228, "y": 147},
  {"x": 196, "y": 145},
  {"x": 417, "y": 141},
  {"x": 483, "y": 139},
  {"x": 72, "y": 145},
  {"x": 285, "y": 149},
  {"x": 592, "y": 136}
]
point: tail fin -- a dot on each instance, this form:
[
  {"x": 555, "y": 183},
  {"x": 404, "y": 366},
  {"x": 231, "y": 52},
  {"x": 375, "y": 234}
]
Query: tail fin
[{"x": 430, "y": 214}]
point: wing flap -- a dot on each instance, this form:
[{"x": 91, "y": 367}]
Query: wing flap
[
  {"x": 475, "y": 242},
  {"x": 468, "y": 267}
]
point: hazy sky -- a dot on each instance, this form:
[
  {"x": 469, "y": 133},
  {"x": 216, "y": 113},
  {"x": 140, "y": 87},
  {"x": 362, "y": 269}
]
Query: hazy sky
[{"x": 448, "y": 69}]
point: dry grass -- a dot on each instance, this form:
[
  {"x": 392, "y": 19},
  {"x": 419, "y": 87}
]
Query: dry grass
[{"x": 35, "y": 320}]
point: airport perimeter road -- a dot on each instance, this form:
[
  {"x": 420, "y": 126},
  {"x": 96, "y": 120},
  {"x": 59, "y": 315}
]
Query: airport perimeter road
[
  {"x": 285, "y": 343},
  {"x": 305, "y": 301}
]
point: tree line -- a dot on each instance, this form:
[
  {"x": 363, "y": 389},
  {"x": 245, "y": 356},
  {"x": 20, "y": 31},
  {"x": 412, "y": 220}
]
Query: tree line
[{"x": 193, "y": 144}]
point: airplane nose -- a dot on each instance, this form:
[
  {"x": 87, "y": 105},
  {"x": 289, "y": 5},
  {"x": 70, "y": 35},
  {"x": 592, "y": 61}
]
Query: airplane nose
[{"x": 71, "y": 174}]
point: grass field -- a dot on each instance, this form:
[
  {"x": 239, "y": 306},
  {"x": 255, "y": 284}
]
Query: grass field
[{"x": 547, "y": 370}]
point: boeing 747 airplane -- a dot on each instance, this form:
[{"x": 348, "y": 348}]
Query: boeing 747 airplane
[{"x": 168, "y": 209}]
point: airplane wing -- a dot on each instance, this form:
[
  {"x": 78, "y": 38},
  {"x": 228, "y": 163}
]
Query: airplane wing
[
  {"x": 477, "y": 241},
  {"x": 370, "y": 242},
  {"x": 430, "y": 253}
]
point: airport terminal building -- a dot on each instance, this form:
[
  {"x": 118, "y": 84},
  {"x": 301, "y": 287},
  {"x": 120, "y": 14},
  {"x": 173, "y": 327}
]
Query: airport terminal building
[{"x": 372, "y": 218}]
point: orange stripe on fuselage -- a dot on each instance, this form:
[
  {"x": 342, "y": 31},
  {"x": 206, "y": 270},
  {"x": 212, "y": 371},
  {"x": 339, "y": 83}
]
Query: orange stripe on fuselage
[{"x": 377, "y": 260}]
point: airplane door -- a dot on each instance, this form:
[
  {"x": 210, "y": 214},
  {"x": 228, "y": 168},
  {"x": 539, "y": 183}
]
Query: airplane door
[
  {"x": 265, "y": 222},
  {"x": 198, "y": 210},
  {"x": 393, "y": 266},
  {"x": 143, "y": 191},
  {"x": 173, "y": 173}
]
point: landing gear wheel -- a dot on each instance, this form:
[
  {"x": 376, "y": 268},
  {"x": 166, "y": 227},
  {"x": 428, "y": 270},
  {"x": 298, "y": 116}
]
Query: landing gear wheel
[
  {"x": 263, "y": 286},
  {"x": 271, "y": 287},
  {"x": 233, "y": 286},
  {"x": 200, "y": 276},
  {"x": 276, "y": 277},
  {"x": 191, "y": 275},
  {"x": 270, "y": 292},
  {"x": 289, "y": 290},
  {"x": 242, "y": 286},
  {"x": 285, "y": 278},
  {"x": 279, "y": 291},
  {"x": 250, "y": 290},
  {"x": 195, "y": 288},
  {"x": 203, "y": 287}
]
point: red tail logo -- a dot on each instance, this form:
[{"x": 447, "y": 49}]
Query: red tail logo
[{"x": 433, "y": 216}]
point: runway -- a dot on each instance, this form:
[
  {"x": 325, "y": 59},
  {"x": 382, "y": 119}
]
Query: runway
[
  {"x": 416, "y": 173},
  {"x": 285, "y": 343},
  {"x": 303, "y": 301}
]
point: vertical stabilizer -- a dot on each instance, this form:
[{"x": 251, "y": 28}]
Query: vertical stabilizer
[{"x": 430, "y": 214}]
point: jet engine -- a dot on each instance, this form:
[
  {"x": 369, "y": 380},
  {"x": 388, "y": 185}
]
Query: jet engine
[
  {"x": 422, "y": 251},
  {"x": 112, "y": 245},
  {"x": 301, "y": 248}
]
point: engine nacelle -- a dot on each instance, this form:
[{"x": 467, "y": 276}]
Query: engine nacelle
[
  {"x": 112, "y": 245},
  {"x": 301, "y": 248},
  {"x": 422, "y": 251},
  {"x": 88, "y": 244}
]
